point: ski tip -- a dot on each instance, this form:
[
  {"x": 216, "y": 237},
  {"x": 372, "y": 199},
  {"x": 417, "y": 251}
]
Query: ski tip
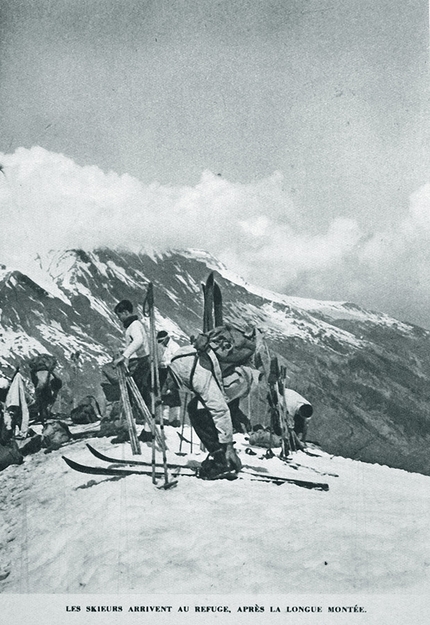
[
  {"x": 167, "y": 485},
  {"x": 70, "y": 463}
]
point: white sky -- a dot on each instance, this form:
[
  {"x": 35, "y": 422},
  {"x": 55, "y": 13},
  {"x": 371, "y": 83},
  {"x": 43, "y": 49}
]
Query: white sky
[{"x": 288, "y": 138}]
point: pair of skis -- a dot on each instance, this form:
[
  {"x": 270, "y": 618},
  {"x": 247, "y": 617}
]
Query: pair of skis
[
  {"x": 137, "y": 467},
  {"x": 212, "y": 308},
  {"x": 128, "y": 411},
  {"x": 156, "y": 406}
]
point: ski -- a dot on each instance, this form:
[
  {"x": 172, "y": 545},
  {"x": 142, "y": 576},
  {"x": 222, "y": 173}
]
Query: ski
[
  {"x": 83, "y": 468},
  {"x": 288, "y": 480},
  {"x": 252, "y": 476},
  {"x": 208, "y": 303},
  {"x": 186, "y": 440},
  {"x": 217, "y": 305},
  {"x": 212, "y": 304},
  {"x": 297, "y": 466},
  {"x": 114, "y": 471},
  {"x": 134, "y": 462}
]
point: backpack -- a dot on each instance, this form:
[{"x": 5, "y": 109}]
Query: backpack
[
  {"x": 231, "y": 345},
  {"x": 54, "y": 434},
  {"x": 87, "y": 411},
  {"x": 10, "y": 454}
]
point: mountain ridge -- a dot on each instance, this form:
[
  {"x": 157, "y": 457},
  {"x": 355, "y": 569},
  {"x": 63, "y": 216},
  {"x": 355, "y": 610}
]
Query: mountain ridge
[{"x": 365, "y": 373}]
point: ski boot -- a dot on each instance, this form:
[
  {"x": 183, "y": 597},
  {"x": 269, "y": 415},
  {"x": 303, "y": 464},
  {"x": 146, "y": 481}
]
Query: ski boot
[{"x": 216, "y": 467}]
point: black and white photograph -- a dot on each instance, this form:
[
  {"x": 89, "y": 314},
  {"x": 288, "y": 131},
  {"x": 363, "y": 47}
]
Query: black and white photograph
[{"x": 214, "y": 312}]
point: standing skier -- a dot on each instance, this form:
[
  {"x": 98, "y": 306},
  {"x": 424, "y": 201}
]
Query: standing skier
[
  {"x": 136, "y": 353},
  {"x": 172, "y": 403}
]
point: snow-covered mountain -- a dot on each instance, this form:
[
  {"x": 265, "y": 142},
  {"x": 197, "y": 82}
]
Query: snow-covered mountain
[{"x": 366, "y": 374}]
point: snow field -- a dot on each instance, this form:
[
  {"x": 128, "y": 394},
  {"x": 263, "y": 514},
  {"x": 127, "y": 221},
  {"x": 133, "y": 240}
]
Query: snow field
[{"x": 66, "y": 532}]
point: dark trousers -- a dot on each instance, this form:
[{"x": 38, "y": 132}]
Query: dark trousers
[
  {"x": 239, "y": 419},
  {"x": 204, "y": 426},
  {"x": 140, "y": 369}
]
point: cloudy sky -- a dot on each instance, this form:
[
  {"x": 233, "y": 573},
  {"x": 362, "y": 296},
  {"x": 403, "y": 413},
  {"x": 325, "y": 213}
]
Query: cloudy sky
[{"x": 290, "y": 138}]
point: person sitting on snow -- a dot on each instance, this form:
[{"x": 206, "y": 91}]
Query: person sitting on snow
[{"x": 172, "y": 403}]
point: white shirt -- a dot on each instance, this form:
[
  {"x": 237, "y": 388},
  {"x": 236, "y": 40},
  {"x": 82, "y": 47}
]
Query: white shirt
[
  {"x": 166, "y": 352},
  {"x": 137, "y": 341},
  {"x": 294, "y": 401}
]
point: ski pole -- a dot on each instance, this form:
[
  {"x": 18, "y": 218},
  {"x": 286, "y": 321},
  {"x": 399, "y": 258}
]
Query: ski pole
[
  {"x": 156, "y": 401},
  {"x": 183, "y": 413},
  {"x": 144, "y": 410},
  {"x": 286, "y": 445}
]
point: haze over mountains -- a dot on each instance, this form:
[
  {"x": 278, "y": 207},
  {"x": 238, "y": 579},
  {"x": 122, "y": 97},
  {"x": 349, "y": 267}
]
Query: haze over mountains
[{"x": 366, "y": 374}]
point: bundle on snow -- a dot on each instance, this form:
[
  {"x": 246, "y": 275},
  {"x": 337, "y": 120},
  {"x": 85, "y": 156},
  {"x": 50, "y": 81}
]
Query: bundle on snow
[
  {"x": 87, "y": 411},
  {"x": 112, "y": 424},
  {"x": 263, "y": 438},
  {"x": 10, "y": 454},
  {"x": 55, "y": 434}
]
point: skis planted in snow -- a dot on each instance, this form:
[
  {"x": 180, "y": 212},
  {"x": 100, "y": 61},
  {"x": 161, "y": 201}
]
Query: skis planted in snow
[
  {"x": 208, "y": 303},
  {"x": 149, "y": 311},
  {"x": 218, "y": 314},
  {"x": 126, "y": 406},
  {"x": 212, "y": 304}
]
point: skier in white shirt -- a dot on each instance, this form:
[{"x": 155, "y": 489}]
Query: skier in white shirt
[{"x": 167, "y": 347}]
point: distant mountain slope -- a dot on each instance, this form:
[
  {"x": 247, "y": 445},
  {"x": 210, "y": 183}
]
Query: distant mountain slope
[{"x": 366, "y": 374}]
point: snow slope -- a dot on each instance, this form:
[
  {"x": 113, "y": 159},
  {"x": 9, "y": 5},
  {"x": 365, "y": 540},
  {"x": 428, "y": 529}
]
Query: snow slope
[{"x": 65, "y": 532}]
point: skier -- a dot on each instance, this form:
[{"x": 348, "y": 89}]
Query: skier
[
  {"x": 300, "y": 410},
  {"x": 208, "y": 410},
  {"x": 172, "y": 402},
  {"x": 136, "y": 352},
  {"x": 135, "y": 357},
  {"x": 46, "y": 384}
]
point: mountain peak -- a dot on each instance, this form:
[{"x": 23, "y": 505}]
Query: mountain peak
[{"x": 365, "y": 373}]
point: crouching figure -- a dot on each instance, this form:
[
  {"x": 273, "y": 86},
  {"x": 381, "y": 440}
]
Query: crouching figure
[
  {"x": 46, "y": 385},
  {"x": 209, "y": 412}
]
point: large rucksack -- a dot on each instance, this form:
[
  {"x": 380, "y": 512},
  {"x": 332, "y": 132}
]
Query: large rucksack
[{"x": 232, "y": 345}]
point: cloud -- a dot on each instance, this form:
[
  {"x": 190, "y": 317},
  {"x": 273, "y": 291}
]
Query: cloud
[{"x": 50, "y": 202}]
